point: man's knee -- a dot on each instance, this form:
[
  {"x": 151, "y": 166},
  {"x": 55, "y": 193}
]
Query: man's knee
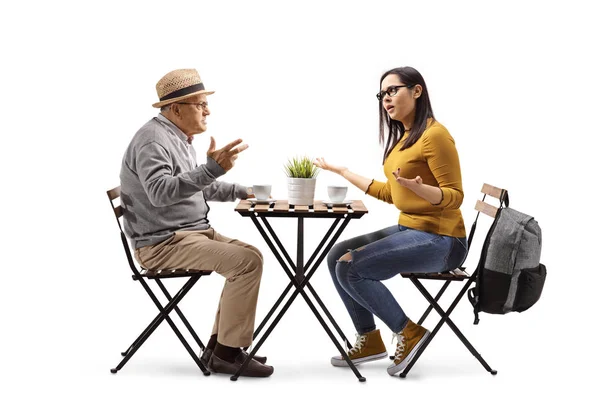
[
  {"x": 259, "y": 254},
  {"x": 254, "y": 262}
]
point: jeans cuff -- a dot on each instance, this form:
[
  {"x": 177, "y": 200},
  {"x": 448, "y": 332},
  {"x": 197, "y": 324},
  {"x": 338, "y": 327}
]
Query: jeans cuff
[{"x": 367, "y": 330}]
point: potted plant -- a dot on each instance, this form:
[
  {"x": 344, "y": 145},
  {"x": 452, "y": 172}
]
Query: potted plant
[{"x": 302, "y": 178}]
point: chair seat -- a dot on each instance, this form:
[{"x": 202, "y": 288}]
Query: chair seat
[
  {"x": 170, "y": 273},
  {"x": 454, "y": 275}
]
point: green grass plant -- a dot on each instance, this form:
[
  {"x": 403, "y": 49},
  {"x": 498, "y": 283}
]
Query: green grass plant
[{"x": 301, "y": 167}]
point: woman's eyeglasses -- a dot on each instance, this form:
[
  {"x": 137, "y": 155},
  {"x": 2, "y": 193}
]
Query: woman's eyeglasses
[{"x": 391, "y": 91}]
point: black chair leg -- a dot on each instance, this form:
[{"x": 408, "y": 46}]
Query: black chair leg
[
  {"x": 445, "y": 318},
  {"x": 164, "y": 315},
  {"x": 178, "y": 311},
  {"x": 430, "y": 307},
  {"x": 181, "y": 316},
  {"x": 143, "y": 334}
]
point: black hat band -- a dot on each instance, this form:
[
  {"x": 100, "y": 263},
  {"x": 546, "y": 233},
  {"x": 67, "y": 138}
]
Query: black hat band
[{"x": 182, "y": 92}]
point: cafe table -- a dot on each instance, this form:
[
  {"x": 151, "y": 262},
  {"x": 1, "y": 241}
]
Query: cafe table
[{"x": 300, "y": 272}]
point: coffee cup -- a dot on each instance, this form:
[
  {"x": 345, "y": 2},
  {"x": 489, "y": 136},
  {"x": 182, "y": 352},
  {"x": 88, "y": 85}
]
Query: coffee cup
[
  {"x": 262, "y": 192},
  {"x": 337, "y": 194}
]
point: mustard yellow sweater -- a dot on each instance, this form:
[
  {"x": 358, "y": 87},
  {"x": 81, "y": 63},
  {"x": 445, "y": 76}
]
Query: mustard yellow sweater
[{"x": 434, "y": 158}]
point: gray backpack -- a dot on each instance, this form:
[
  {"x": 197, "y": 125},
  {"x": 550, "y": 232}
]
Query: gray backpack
[{"x": 510, "y": 276}]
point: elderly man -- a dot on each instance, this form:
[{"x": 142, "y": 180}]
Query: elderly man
[{"x": 165, "y": 192}]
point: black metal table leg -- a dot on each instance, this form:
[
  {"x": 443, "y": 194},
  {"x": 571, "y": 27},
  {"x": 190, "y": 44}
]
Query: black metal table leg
[
  {"x": 300, "y": 280},
  {"x": 265, "y": 336},
  {"x": 272, "y": 310},
  {"x": 323, "y": 248}
]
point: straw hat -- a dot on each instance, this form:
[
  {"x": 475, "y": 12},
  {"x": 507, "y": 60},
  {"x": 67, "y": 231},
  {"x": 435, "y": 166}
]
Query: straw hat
[{"x": 178, "y": 85}]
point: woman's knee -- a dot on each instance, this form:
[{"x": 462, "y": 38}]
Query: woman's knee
[
  {"x": 335, "y": 253},
  {"x": 343, "y": 273}
]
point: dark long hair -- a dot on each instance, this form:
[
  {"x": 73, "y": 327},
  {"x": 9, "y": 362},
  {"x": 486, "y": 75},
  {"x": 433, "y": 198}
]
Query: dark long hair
[{"x": 395, "y": 129}]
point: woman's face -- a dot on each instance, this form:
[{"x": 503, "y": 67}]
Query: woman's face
[{"x": 401, "y": 101}]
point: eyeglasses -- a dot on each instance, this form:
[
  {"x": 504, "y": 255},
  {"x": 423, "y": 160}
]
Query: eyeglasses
[
  {"x": 199, "y": 106},
  {"x": 391, "y": 91}
]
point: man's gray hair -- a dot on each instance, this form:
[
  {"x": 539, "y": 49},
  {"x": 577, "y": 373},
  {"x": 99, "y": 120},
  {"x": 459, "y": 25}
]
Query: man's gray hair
[{"x": 165, "y": 108}]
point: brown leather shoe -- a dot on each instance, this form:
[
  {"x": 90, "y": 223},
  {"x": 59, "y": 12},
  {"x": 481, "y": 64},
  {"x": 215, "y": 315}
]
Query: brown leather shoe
[
  {"x": 207, "y": 354},
  {"x": 254, "y": 368},
  {"x": 205, "y": 357},
  {"x": 260, "y": 359}
]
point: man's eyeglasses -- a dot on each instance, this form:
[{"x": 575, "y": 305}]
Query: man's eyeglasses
[
  {"x": 199, "y": 106},
  {"x": 391, "y": 91}
]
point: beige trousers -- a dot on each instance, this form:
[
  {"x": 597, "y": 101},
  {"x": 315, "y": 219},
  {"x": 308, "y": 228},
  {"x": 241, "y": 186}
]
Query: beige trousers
[{"x": 240, "y": 263}]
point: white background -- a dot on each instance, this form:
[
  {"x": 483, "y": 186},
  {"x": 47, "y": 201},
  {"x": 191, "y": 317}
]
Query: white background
[{"x": 515, "y": 83}]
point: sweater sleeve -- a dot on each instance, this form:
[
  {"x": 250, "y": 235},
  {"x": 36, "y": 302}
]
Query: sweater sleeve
[
  {"x": 442, "y": 158},
  {"x": 380, "y": 190},
  {"x": 153, "y": 166},
  {"x": 224, "y": 191}
]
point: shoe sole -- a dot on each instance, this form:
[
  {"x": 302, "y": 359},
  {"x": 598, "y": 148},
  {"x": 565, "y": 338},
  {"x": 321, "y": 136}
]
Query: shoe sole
[
  {"x": 341, "y": 362},
  {"x": 394, "y": 369}
]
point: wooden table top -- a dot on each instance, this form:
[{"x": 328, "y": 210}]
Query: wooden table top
[{"x": 281, "y": 208}]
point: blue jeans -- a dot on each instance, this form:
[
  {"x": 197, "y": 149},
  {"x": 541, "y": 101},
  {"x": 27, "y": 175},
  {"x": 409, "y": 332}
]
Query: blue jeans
[{"x": 385, "y": 254}]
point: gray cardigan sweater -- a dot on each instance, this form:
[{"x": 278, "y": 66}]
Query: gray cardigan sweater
[{"x": 163, "y": 190}]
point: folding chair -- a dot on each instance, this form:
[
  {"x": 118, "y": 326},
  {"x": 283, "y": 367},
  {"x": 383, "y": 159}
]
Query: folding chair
[
  {"x": 457, "y": 275},
  {"x": 142, "y": 276}
]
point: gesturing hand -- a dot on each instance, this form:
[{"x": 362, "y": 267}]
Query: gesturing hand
[
  {"x": 321, "y": 163},
  {"x": 227, "y": 155},
  {"x": 409, "y": 183}
]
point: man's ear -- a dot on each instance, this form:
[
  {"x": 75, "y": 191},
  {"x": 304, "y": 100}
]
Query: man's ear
[{"x": 175, "y": 109}]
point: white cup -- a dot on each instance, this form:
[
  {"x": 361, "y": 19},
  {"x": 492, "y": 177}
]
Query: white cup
[
  {"x": 261, "y": 192},
  {"x": 337, "y": 194}
]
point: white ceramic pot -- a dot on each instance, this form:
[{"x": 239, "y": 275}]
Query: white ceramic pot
[{"x": 301, "y": 191}]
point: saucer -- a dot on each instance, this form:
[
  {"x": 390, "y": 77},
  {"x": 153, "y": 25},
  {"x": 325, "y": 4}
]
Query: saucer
[
  {"x": 342, "y": 203},
  {"x": 256, "y": 201}
]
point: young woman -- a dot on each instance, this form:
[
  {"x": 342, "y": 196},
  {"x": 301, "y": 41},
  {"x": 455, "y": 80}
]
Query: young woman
[{"x": 424, "y": 182}]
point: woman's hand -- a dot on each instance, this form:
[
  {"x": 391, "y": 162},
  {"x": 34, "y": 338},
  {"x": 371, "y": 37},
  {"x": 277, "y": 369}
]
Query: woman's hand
[
  {"x": 412, "y": 184},
  {"x": 321, "y": 163},
  {"x": 432, "y": 194},
  {"x": 359, "y": 181}
]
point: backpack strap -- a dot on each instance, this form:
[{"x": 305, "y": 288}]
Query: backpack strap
[
  {"x": 470, "y": 239},
  {"x": 474, "y": 300},
  {"x": 473, "y": 293},
  {"x": 504, "y": 198}
]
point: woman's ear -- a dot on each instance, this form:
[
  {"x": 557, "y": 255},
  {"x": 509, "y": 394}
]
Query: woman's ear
[{"x": 418, "y": 90}]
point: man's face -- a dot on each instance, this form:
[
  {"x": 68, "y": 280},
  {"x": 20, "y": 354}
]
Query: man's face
[{"x": 191, "y": 114}]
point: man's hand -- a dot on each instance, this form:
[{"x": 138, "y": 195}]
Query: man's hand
[
  {"x": 321, "y": 163},
  {"x": 227, "y": 155}
]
